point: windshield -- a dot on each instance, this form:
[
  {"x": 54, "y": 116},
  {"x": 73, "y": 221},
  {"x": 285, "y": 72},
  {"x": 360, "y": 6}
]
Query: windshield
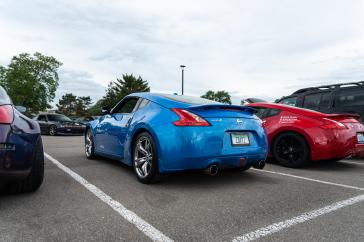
[{"x": 58, "y": 117}]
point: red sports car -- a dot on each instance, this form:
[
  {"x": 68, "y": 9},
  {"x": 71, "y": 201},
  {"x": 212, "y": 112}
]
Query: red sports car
[{"x": 297, "y": 136}]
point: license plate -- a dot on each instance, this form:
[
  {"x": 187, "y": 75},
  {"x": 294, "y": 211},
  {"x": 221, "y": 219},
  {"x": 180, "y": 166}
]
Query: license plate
[
  {"x": 360, "y": 137},
  {"x": 240, "y": 139}
]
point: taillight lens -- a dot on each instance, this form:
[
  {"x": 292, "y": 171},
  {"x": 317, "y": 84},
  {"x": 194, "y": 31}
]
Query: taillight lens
[
  {"x": 332, "y": 124},
  {"x": 187, "y": 118},
  {"x": 6, "y": 114}
]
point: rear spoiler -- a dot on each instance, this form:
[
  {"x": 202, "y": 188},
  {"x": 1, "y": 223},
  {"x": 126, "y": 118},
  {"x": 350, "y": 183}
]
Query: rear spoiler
[
  {"x": 223, "y": 107},
  {"x": 343, "y": 116}
]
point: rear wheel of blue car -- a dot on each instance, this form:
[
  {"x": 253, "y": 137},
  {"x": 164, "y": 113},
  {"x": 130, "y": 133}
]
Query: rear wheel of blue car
[
  {"x": 145, "y": 158},
  {"x": 35, "y": 178}
]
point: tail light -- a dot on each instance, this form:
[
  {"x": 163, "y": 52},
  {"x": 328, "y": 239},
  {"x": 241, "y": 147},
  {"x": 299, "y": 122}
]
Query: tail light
[
  {"x": 187, "y": 118},
  {"x": 6, "y": 114},
  {"x": 332, "y": 124}
]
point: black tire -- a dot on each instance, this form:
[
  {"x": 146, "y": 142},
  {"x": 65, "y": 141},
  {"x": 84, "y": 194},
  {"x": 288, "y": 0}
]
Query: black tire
[
  {"x": 89, "y": 145},
  {"x": 52, "y": 131},
  {"x": 291, "y": 150},
  {"x": 36, "y": 176},
  {"x": 151, "y": 175}
]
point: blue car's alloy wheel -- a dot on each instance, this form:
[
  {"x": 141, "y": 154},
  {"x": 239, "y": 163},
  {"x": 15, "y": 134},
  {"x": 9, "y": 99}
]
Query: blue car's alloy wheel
[
  {"x": 89, "y": 145},
  {"x": 144, "y": 158}
]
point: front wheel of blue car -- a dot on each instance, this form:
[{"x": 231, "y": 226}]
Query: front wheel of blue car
[
  {"x": 89, "y": 145},
  {"x": 145, "y": 158}
]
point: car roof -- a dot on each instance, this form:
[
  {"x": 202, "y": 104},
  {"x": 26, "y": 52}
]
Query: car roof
[
  {"x": 167, "y": 100},
  {"x": 287, "y": 108}
]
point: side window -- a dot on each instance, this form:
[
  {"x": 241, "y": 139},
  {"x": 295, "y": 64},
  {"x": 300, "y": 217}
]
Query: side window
[
  {"x": 260, "y": 112},
  {"x": 351, "y": 98},
  {"x": 312, "y": 101},
  {"x": 127, "y": 107},
  {"x": 272, "y": 112},
  {"x": 266, "y": 112},
  {"x": 325, "y": 102},
  {"x": 143, "y": 103},
  {"x": 42, "y": 118},
  {"x": 291, "y": 101}
]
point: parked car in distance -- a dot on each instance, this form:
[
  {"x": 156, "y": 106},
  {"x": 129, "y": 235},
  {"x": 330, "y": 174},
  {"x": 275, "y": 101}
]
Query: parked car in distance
[
  {"x": 160, "y": 133},
  {"x": 53, "y": 124},
  {"x": 21, "y": 149},
  {"x": 298, "y": 136},
  {"x": 337, "y": 98}
]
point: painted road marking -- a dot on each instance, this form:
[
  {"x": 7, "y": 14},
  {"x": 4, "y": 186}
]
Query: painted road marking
[
  {"x": 153, "y": 233},
  {"x": 276, "y": 227},
  {"x": 311, "y": 179},
  {"x": 352, "y": 162}
]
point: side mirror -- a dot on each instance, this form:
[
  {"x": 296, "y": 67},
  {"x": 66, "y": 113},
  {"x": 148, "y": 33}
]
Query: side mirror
[
  {"x": 105, "y": 110},
  {"x": 21, "y": 109}
]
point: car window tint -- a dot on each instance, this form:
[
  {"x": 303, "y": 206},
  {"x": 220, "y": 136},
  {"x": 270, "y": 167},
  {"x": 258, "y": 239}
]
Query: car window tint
[
  {"x": 291, "y": 101},
  {"x": 143, "y": 103},
  {"x": 350, "y": 98},
  {"x": 325, "y": 100},
  {"x": 272, "y": 112},
  {"x": 42, "y": 118},
  {"x": 4, "y": 98},
  {"x": 58, "y": 117},
  {"x": 259, "y": 111},
  {"x": 312, "y": 101},
  {"x": 127, "y": 106}
]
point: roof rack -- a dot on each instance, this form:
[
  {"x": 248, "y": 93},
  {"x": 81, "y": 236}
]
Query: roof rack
[{"x": 333, "y": 86}]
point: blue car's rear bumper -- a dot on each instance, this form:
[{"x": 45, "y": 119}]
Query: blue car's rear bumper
[{"x": 194, "y": 148}]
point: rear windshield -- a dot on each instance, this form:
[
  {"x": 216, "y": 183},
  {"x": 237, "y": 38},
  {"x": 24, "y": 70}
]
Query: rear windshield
[
  {"x": 58, "y": 118},
  {"x": 4, "y": 98},
  {"x": 189, "y": 99}
]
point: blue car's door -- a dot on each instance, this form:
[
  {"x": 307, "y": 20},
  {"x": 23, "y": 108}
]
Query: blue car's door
[
  {"x": 102, "y": 129},
  {"x": 116, "y": 126}
]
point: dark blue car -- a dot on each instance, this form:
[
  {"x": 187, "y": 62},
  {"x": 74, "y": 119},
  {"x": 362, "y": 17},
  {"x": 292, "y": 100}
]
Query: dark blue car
[
  {"x": 21, "y": 149},
  {"x": 159, "y": 133}
]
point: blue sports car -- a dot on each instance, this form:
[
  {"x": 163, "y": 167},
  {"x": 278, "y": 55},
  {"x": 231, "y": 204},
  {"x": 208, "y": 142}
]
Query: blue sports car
[
  {"x": 21, "y": 149},
  {"x": 160, "y": 133}
]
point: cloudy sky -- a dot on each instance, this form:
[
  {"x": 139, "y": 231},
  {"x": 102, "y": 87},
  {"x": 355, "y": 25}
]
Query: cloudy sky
[{"x": 260, "y": 48}]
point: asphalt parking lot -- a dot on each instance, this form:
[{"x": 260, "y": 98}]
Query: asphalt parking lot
[{"x": 101, "y": 200}]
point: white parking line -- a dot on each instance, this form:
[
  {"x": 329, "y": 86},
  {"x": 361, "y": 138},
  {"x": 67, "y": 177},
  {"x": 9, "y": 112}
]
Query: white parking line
[
  {"x": 352, "y": 162},
  {"x": 130, "y": 216},
  {"x": 312, "y": 180},
  {"x": 274, "y": 228}
]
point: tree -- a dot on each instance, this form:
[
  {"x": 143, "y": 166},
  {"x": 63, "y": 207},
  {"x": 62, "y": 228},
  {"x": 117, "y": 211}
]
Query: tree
[
  {"x": 82, "y": 105},
  {"x": 219, "y": 96},
  {"x": 121, "y": 87},
  {"x": 71, "y": 105},
  {"x": 31, "y": 80}
]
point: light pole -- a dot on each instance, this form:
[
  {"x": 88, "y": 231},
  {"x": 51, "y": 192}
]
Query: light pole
[{"x": 183, "y": 71}]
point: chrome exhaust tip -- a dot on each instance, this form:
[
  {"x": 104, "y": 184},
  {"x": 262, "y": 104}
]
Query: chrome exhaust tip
[
  {"x": 212, "y": 170},
  {"x": 259, "y": 164}
]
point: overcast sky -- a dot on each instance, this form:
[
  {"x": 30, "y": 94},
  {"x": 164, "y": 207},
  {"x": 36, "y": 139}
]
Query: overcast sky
[{"x": 256, "y": 48}]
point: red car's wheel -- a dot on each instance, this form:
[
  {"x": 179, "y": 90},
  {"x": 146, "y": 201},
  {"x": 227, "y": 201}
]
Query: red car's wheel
[{"x": 291, "y": 150}]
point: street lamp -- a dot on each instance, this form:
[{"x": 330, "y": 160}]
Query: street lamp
[{"x": 183, "y": 70}]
